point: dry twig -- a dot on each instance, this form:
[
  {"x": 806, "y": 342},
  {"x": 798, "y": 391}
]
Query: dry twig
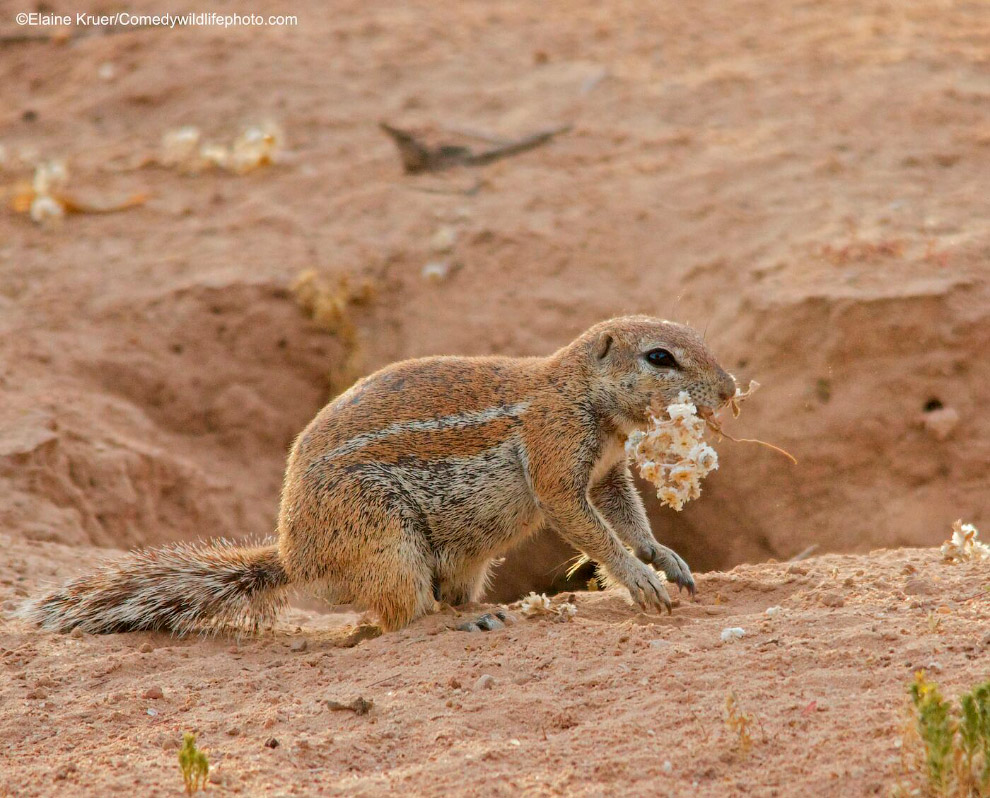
[{"x": 419, "y": 157}]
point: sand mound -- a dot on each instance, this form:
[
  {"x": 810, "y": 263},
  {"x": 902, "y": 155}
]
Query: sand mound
[{"x": 170, "y": 423}]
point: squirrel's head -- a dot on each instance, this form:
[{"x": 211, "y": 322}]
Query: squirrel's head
[{"x": 638, "y": 360}]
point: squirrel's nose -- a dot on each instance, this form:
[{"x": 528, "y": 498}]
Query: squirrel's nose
[{"x": 727, "y": 387}]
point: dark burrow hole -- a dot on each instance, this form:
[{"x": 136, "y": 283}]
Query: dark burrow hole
[{"x": 933, "y": 404}]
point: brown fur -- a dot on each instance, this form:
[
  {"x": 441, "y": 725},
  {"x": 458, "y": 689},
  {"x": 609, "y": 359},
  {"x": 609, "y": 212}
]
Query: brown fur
[{"x": 404, "y": 488}]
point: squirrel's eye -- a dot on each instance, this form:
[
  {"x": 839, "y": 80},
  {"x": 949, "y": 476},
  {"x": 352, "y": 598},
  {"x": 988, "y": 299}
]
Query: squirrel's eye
[{"x": 661, "y": 359}]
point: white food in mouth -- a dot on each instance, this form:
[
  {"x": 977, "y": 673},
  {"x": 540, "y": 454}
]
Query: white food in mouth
[{"x": 672, "y": 454}]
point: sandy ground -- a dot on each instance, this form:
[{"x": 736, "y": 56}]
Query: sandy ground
[
  {"x": 805, "y": 181},
  {"x": 612, "y": 702}
]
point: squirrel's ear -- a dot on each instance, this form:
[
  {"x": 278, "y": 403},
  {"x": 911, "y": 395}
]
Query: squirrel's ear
[{"x": 603, "y": 346}]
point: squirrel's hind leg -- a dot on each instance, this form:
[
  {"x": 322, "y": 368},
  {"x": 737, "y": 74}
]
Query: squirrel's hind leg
[
  {"x": 398, "y": 583},
  {"x": 463, "y": 583}
]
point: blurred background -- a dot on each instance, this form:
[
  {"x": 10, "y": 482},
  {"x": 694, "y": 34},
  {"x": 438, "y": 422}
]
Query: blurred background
[{"x": 205, "y": 234}]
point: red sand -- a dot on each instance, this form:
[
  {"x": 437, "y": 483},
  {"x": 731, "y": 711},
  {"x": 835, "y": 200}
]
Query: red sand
[{"x": 804, "y": 181}]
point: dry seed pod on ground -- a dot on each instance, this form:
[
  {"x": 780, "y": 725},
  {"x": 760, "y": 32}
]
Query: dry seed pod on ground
[
  {"x": 964, "y": 544},
  {"x": 185, "y": 149},
  {"x": 538, "y": 604},
  {"x": 46, "y": 198}
]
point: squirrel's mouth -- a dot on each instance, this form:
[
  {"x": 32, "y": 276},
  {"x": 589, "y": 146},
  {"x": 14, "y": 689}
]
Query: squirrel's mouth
[{"x": 707, "y": 411}]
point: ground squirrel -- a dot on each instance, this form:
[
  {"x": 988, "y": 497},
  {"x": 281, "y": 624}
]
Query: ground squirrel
[{"x": 404, "y": 489}]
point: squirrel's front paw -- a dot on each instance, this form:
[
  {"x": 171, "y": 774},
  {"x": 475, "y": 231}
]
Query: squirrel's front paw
[
  {"x": 671, "y": 563},
  {"x": 647, "y": 590}
]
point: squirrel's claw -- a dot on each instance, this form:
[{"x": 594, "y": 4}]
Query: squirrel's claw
[
  {"x": 671, "y": 564},
  {"x": 488, "y": 622},
  {"x": 648, "y": 591}
]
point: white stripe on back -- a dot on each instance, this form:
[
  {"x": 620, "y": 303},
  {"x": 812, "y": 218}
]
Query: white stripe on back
[{"x": 453, "y": 421}]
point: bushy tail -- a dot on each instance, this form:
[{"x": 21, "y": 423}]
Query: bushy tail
[{"x": 178, "y": 588}]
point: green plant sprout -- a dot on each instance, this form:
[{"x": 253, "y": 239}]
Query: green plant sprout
[
  {"x": 195, "y": 766},
  {"x": 956, "y": 741}
]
